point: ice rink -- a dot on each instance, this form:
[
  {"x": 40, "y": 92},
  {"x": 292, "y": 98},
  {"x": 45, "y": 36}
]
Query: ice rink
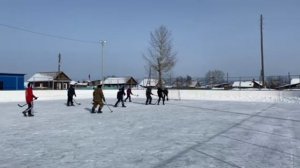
[{"x": 186, "y": 133}]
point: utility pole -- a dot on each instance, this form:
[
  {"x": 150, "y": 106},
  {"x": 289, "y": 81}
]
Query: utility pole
[
  {"x": 59, "y": 59},
  {"x": 102, "y": 54},
  {"x": 262, "y": 73}
]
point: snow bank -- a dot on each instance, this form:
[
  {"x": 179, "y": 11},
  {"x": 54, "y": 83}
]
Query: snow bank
[{"x": 222, "y": 95}]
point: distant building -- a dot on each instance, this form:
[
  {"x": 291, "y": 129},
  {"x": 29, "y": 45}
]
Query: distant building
[
  {"x": 222, "y": 86},
  {"x": 11, "y": 81},
  {"x": 191, "y": 84},
  {"x": 149, "y": 83},
  {"x": 247, "y": 84},
  {"x": 194, "y": 84},
  {"x": 95, "y": 82},
  {"x": 295, "y": 84},
  {"x": 295, "y": 81},
  {"x": 50, "y": 80},
  {"x": 117, "y": 82}
]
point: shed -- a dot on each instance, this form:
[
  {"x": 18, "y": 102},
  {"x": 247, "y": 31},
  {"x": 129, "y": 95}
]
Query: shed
[
  {"x": 11, "y": 81},
  {"x": 247, "y": 84},
  {"x": 116, "y": 82},
  {"x": 50, "y": 80}
]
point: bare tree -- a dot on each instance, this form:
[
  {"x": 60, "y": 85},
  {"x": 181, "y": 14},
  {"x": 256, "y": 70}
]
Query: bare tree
[
  {"x": 161, "y": 57},
  {"x": 214, "y": 77}
]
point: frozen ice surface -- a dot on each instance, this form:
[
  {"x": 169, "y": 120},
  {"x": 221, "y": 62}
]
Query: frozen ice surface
[{"x": 186, "y": 133}]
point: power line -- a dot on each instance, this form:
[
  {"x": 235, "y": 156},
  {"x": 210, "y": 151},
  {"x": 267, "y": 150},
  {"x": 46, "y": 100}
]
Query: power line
[{"x": 48, "y": 35}]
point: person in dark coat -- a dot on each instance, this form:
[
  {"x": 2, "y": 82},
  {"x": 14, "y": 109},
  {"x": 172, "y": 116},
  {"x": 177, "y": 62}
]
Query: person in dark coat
[
  {"x": 71, "y": 93},
  {"x": 160, "y": 96},
  {"x": 148, "y": 95},
  {"x": 166, "y": 92},
  {"x": 120, "y": 96},
  {"x": 129, "y": 93}
]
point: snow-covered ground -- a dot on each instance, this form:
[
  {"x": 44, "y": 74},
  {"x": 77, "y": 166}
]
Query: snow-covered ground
[{"x": 185, "y": 133}]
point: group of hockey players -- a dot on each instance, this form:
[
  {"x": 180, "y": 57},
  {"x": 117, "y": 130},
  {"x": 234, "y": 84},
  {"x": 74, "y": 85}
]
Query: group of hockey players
[
  {"x": 161, "y": 93},
  {"x": 98, "y": 98}
]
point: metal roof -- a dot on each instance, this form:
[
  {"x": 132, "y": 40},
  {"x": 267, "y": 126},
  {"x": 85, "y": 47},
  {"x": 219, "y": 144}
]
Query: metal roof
[
  {"x": 44, "y": 76},
  {"x": 116, "y": 80}
]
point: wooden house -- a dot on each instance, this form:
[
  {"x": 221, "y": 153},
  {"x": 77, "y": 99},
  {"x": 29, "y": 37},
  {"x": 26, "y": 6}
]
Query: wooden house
[
  {"x": 117, "y": 82},
  {"x": 50, "y": 80}
]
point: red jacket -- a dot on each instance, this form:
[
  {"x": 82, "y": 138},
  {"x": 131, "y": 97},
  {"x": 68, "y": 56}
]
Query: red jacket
[{"x": 29, "y": 95}]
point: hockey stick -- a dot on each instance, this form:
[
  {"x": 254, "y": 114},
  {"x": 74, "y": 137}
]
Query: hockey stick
[
  {"x": 109, "y": 108},
  {"x": 77, "y": 102},
  {"x": 25, "y": 111},
  {"x": 22, "y": 105},
  {"x": 25, "y": 103},
  {"x": 155, "y": 102}
]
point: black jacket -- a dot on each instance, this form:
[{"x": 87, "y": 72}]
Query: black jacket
[
  {"x": 159, "y": 92},
  {"x": 71, "y": 92},
  {"x": 148, "y": 92},
  {"x": 120, "y": 94}
]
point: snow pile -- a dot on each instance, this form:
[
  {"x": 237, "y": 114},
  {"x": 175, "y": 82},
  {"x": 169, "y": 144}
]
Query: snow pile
[{"x": 219, "y": 95}]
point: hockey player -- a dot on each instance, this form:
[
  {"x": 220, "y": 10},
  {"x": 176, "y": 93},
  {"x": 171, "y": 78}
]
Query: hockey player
[
  {"x": 29, "y": 100},
  {"x": 129, "y": 93},
  {"x": 160, "y": 96},
  {"x": 148, "y": 95},
  {"x": 166, "y": 92},
  {"x": 120, "y": 96},
  {"x": 71, "y": 93},
  {"x": 98, "y": 99}
]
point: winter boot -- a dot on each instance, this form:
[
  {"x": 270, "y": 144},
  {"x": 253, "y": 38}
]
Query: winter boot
[
  {"x": 24, "y": 113},
  {"x": 93, "y": 110},
  {"x": 99, "y": 111}
]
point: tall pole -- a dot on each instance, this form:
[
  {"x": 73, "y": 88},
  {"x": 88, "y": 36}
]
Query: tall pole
[
  {"x": 102, "y": 54},
  {"x": 59, "y": 59},
  {"x": 262, "y": 52}
]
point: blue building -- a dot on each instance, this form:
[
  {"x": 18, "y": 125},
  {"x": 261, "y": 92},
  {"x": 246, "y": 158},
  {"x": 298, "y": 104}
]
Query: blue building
[{"x": 11, "y": 81}]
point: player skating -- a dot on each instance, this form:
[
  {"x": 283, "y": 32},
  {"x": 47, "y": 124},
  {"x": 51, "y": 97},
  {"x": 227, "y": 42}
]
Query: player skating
[
  {"x": 120, "y": 96},
  {"x": 98, "y": 99},
  {"x": 29, "y": 100},
  {"x": 71, "y": 93},
  {"x": 160, "y": 96},
  {"x": 129, "y": 93},
  {"x": 148, "y": 95}
]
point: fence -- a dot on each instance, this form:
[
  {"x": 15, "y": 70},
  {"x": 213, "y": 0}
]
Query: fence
[{"x": 272, "y": 82}]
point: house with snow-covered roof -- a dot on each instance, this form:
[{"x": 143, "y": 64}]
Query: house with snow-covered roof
[
  {"x": 295, "y": 84},
  {"x": 247, "y": 84},
  {"x": 295, "y": 81},
  {"x": 50, "y": 80},
  {"x": 149, "y": 82},
  {"x": 117, "y": 82}
]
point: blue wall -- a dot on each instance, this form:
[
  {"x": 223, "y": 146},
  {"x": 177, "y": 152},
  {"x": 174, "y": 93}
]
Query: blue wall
[{"x": 12, "y": 81}]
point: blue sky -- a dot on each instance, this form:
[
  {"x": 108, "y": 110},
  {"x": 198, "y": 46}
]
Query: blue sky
[{"x": 207, "y": 35}]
